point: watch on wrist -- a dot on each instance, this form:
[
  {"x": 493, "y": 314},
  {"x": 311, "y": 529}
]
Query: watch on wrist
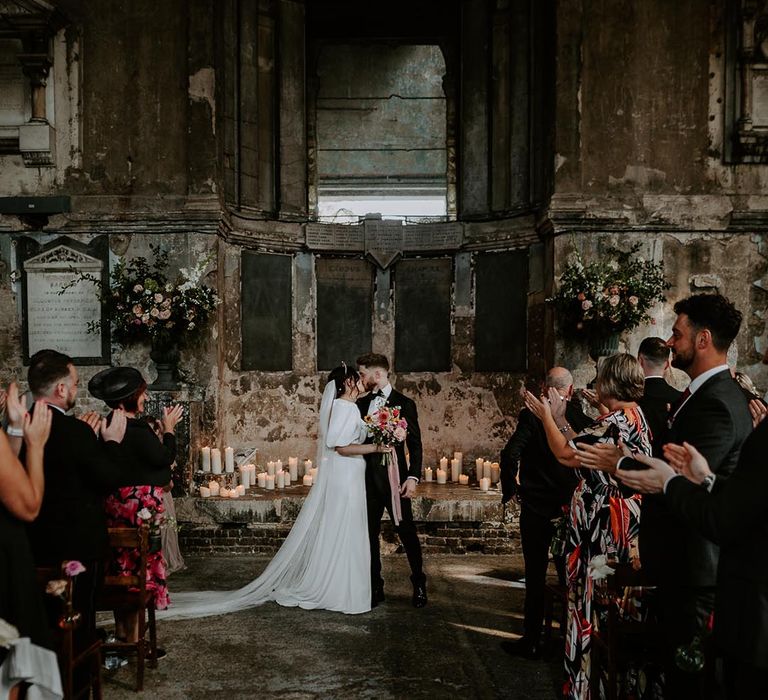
[
  {"x": 709, "y": 482},
  {"x": 565, "y": 429},
  {"x": 14, "y": 432}
]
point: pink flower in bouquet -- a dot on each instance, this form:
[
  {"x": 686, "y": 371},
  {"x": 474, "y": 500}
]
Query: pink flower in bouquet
[
  {"x": 399, "y": 433},
  {"x": 402, "y": 423},
  {"x": 137, "y": 310},
  {"x": 72, "y": 568},
  {"x": 614, "y": 300},
  {"x": 634, "y": 300}
]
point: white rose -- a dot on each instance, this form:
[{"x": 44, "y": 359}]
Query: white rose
[
  {"x": 586, "y": 304},
  {"x": 138, "y": 288},
  {"x": 614, "y": 300},
  {"x": 144, "y": 514}
]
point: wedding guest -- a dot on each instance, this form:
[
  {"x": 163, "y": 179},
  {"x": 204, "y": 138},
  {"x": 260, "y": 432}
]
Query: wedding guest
[
  {"x": 78, "y": 471},
  {"x": 713, "y": 416},
  {"x": 602, "y": 520},
  {"x": 757, "y": 406},
  {"x": 732, "y": 513},
  {"x": 654, "y": 358},
  {"x": 21, "y": 496},
  {"x": 139, "y": 501},
  {"x": 545, "y": 489}
]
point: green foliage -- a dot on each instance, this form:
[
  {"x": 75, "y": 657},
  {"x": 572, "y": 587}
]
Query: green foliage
[
  {"x": 610, "y": 295},
  {"x": 144, "y": 304}
]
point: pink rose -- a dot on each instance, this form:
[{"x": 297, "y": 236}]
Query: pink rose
[
  {"x": 586, "y": 305},
  {"x": 399, "y": 434},
  {"x": 158, "y": 298},
  {"x": 402, "y": 423},
  {"x": 634, "y": 300},
  {"x": 73, "y": 568},
  {"x": 137, "y": 310},
  {"x": 614, "y": 300},
  {"x": 165, "y": 314},
  {"x": 581, "y": 296}
]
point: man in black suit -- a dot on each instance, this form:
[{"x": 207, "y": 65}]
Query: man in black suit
[
  {"x": 653, "y": 356},
  {"x": 713, "y": 416},
  {"x": 374, "y": 373},
  {"x": 546, "y": 486},
  {"x": 732, "y": 513},
  {"x": 79, "y": 472}
]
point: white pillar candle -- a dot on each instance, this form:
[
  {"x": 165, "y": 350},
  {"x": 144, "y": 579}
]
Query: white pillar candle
[
  {"x": 253, "y": 475},
  {"x": 444, "y": 463},
  {"x": 224, "y": 492},
  {"x": 270, "y": 482},
  {"x": 241, "y": 490},
  {"x": 205, "y": 454},
  {"x": 205, "y": 492},
  {"x": 455, "y": 470},
  {"x": 479, "y": 466},
  {"x": 428, "y": 474},
  {"x": 460, "y": 457},
  {"x": 495, "y": 472},
  {"x": 307, "y": 481},
  {"x": 464, "y": 479},
  {"x": 278, "y": 466},
  {"x": 486, "y": 470},
  {"x": 307, "y": 465},
  {"x": 234, "y": 493},
  {"x": 229, "y": 460},
  {"x": 245, "y": 476},
  {"x": 271, "y": 468},
  {"x": 280, "y": 479},
  {"x": 293, "y": 467},
  {"x": 441, "y": 476},
  {"x": 313, "y": 474},
  {"x": 287, "y": 477},
  {"x": 216, "y": 460},
  {"x": 485, "y": 483},
  {"x": 214, "y": 488},
  {"x": 262, "y": 479}
]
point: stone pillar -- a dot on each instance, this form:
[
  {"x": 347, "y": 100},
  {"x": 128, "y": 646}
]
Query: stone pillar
[
  {"x": 36, "y": 67},
  {"x": 37, "y": 137}
]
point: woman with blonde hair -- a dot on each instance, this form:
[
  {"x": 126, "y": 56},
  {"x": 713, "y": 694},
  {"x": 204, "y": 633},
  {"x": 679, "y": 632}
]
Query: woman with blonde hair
[{"x": 603, "y": 521}]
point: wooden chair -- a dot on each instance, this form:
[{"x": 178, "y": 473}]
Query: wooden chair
[
  {"x": 80, "y": 667},
  {"x": 554, "y": 593},
  {"x": 130, "y": 593},
  {"x": 619, "y": 641}
]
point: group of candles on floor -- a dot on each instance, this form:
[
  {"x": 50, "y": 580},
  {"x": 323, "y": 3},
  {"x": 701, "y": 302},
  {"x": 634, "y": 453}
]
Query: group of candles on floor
[{"x": 277, "y": 477}]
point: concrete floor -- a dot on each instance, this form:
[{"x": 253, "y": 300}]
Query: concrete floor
[{"x": 450, "y": 649}]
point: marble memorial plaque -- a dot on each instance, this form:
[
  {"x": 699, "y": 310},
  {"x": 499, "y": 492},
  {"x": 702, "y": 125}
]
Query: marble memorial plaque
[
  {"x": 436, "y": 236},
  {"x": 59, "y": 307},
  {"x": 338, "y": 237}
]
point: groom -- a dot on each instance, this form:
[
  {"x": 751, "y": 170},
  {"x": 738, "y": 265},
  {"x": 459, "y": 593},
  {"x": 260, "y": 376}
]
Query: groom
[{"x": 374, "y": 373}]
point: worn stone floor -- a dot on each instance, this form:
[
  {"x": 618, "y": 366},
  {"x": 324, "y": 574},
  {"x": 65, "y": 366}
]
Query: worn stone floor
[{"x": 450, "y": 649}]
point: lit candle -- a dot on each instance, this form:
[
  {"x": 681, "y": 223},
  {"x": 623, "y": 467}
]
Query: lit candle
[
  {"x": 216, "y": 460},
  {"x": 455, "y": 469},
  {"x": 307, "y": 481},
  {"x": 287, "y": 477},
  {"x": 479, "y": 467},
  {"x": 252, "y": 475},
  {"x": 307, "y": 465},
  {"x": 280, "y": 479},
  {"x": 241, "y": 490},
  {"x": 495, "y": 472},
  {"x": 485, "y": 483},
  {"x": 234, "y": 493},
  {"x": 205, "y": 492},
  {"x": 444, "y": 463},
  {"x": 428, "y": 474},
  {"x": 214, "y": 488},
  {"x": 206, "y": 456},
  {"x": 245, "y": 476},
  {"x": 229, "y": 460},
  {"x": 486, "y": 470},
  {"x": 293, "y": 468},
  {"x": 441, "y": 476},
  {"x": 460, "y": 457},
  {"x": 262, "y": 478},
  {"x": 271, "y": 468},
  {"x": 224, "y": 492},
  {"x": 313, "y": 474},
  {"x": 270, "y": 482},
  {"x": 464, "y": 479}
]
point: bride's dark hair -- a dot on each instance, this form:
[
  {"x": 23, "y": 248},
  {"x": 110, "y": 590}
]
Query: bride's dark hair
[{"x": 340, "y": 375}]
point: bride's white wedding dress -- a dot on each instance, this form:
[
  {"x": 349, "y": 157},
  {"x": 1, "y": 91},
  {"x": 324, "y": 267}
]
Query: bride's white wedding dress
[{"x": 325, "y": 560}]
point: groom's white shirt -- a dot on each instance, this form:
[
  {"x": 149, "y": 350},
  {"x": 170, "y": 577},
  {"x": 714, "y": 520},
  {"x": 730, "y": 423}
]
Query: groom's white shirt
[{"x": 378, "y": 401}]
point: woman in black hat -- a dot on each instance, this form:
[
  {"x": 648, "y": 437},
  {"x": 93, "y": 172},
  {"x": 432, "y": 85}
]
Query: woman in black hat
[{"x": 130, "y": 506}]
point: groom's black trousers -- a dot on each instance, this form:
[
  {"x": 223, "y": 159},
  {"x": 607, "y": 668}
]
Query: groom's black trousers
[{"x": 379, "y": 499}]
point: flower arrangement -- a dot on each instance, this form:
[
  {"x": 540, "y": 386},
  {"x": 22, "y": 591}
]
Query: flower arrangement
[
  {"x": 387, "y": 427},
  {"x": 64, "y": 589},
  {"x": 143, "y": 303},
  {"x": 610, "y": 295}
]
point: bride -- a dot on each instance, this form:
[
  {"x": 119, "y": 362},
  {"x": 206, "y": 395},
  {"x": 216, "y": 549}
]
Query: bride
[{"x": 325, "y": 560}]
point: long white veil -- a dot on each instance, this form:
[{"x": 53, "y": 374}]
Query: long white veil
[{"x": 290, "y": 562}]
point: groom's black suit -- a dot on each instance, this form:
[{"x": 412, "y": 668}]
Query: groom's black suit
[{"x": 379, "y": 496}]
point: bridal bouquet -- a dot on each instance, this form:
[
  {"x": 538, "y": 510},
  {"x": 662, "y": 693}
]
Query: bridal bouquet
[{"x": 387, "y": 427}]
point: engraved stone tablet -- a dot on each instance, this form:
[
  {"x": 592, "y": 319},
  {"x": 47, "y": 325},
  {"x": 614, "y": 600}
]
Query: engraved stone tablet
[
  {"x": 383, "y": 241},
  {"x": 334, "y": 237},
  {"x": 436, "y": 236},
  {"x": 59, "y": 305}
]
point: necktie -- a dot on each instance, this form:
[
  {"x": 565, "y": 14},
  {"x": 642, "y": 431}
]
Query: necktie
[{"x": 679, "y": 403}]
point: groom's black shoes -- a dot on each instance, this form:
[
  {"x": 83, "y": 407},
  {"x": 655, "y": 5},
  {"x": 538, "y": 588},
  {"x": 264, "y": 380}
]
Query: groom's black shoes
[
  {"x": 522, "y": 647},
  {"x": 419, "y": 594},
  {"x": 377, "y": 595}
]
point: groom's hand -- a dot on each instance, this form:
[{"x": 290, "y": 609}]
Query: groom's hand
[{"x": 408, "y": 488}]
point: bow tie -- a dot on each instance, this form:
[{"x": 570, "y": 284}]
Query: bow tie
[{"x": 378, "y": 394}]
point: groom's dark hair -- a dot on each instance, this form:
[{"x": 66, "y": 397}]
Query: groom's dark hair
[{"x": 373, "y": 359}]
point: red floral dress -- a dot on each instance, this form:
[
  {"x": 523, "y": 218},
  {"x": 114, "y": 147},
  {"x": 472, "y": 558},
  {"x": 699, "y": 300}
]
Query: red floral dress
[{"x": 122, "y": 508}]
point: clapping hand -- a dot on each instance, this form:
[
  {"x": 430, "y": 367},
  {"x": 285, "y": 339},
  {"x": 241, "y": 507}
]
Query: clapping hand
[
  {"x": 93, "y": 420},
  {"x": 593, "y": 400},
  {"x": 14, "y": 406},
  {"x": 557, "y": 404},
  {"x": 171, "y": 416},
  {"x": 758, "y": 410},
  {"x": 538, "y": 406},
  {"x": 685, "y": 459},
  {"x": 603, "y": 456},
  {"x": 649, "y": 480},
  {"x": 115, "y": 431},
  {"x": 37, "y": 427}
]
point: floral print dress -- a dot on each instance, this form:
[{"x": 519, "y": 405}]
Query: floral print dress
[
  {"x": 123, "y": 507},
  {"x": 602, "y": 521}
]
